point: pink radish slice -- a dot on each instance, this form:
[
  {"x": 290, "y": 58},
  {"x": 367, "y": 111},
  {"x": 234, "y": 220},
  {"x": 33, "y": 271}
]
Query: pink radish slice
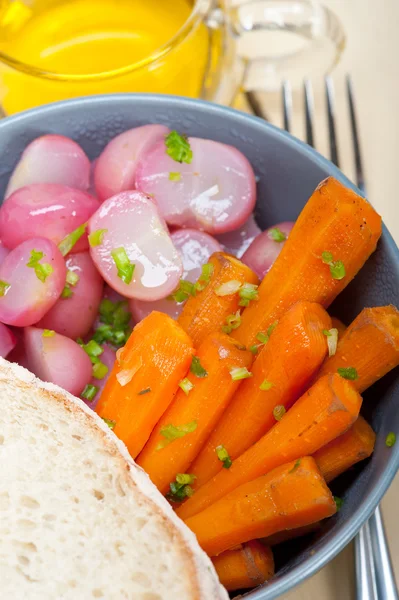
[
  {"x": 27, "y": 299},
  {"x": 57, "y": 359},
  {"x": 264, "y": 250},
  {"x": 216, "y": 192},
  {"x": 132, "y": 224},
  {"x": 115, "y": 169},
  {"x": 51, "y": 159},
  {"x": 3, "y": 252},
  {"x": 74, "y": 316},
  {"x": 8, "y": 340},
  {"x": 236, "y": 242},
  {"x": 47, "y": 210},
  {"x": 195, "y": 248},
  {"x": 107, "y": 358}
]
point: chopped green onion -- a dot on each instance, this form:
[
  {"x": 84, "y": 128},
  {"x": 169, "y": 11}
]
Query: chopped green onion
[
  {"x": 327, "y": 258},
  {"x": 272, "y": 328},
  {"x": 266, "y": 385},
  {"x": 99, "y": 370},
  {"x": 232, "y": 322},
  {"x": 96, "y": 237},
  {"x": 185, "y": 478},
  {"x": 296, "y": 465},
  {"x": 66, "y": 292},
  {"x": 72, "y": 278},
  {"x": 124, "y": 266},
  {"x": 205, "y": 277},
  {"x": 332, "y": 341},
  {"x": 327, "y": 332},
  {"x": 276, "y": 235},
  {"x": 197, "y": 369},
  {"x": 181, "y": 488},
  {"x": 337, "y": 267},
  {"x": 338, "y": 503},
  {"x": 4, "y": 287},
  {"x": 145, "y": 391},
  {"x": 185, "y": 289},
  {"x": 262, "y": 337},
  {"x": 254, "y": 349},
  {"x": 247, "y": 292},
  {"x": 174, "y": 432},
  {"x": 66, "y": 245},
  {"x": 229, "y": 288},
  {"x": 174, "y": 176},
  {"x": 390, "y": 440},
  {"x": 89, "y": 392},
  {"x": 111, "y": 424},
  {"x": 93, "y": 349},
  {"x": 223, "y": 456},
  {"x": 42, "y": 270},
  {"x": 279, "y": 412},
  {"x": 116, "y": 323},
  {"x": 48, "y": 333},
  {"x": 178, "y": 147},
  {"x": 186, "y": 385},
  {"x": 239, "y": 373},
  {"x": 348, "y": 373}
]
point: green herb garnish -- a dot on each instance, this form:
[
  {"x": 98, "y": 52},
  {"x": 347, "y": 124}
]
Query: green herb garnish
[
  {"x": 247, "y": 292},
  {"x": 66, "y": 245},
  {"x": 115, "y": 319},
  {"x": 239, "y": 373},
  {"x": 276, "y": 235},
  {"x": 4, "y": 287},
  {"x": 124, "y": 267},
  {"x": 279, "y": 412},
  {"x": 337, "y": 267},
  {"x": 89, "y": 392},
  {"x": 348, "y": 373},
  {"x": 185, "y": 289},
  {"x": 66, "y": 292},
  {"x": 181, "y": 488},
  {"x": 254, "y": 349},
  {"x": 178, "y": 147},
  {"x": 48, "y": 333},
  {"x": 232, "y": 322},
  {"x": 42, "y": 270},
  {"x": 111, "y": 424},
  {"x": 197, "y": 369},
  {"x": 72, "y": 278},
  {"x": 390, "y": 440},
  {"x": 174, "y": 176},
  {"x": 100, "y": 370},
  {"x": 96, "y": 237},
  {"x": 174, "y": 432},
  {"x": 266, "y": 385},
  {"x": 145, "y": 391},
  {"x": 205, "y": 277},
  {"x": 296, "y": 465},
  {"x": 327, "y": 332},
  {"x": 338, "y": 503},
  {"x": 186, "y": 385},
  {"x": 223, "y": 456}
]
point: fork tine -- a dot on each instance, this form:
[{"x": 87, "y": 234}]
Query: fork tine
[
  {"x": 355, "y": 137},
  {"x": 309, "y": 111},
  {"x": 255, "y": 105},
  {"x": 287, "y": 105},
  {"x": 329, "y": 87}
]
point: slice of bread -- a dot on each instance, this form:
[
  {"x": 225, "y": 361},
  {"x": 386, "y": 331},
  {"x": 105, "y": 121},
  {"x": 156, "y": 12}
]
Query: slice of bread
[{"x": 78, "y": 519}]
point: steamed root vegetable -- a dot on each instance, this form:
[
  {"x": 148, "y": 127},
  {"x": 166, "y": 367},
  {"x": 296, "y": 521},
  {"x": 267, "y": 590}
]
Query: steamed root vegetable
[
  {"x": 45, "y": 210},
  {"x": 57, "y": 359},
  {"x": 32, "y": 278},
  {"x": 132, "y": 248},
  {"x": 107, "y": 358},
  {"x": 339, "y": 326},
  {"x": 290, "y": 534},
  {"x": 145, "y": 378},
  {"x": 322, "y": 413},
  {"x": 213, "y": 189},
  {"x": 245, "y": 567},
  {"x": 76, "y": 310},
  {"x": 8, "y": 340},
  {"x": 115, "y": 168},
  {"x": 219, "y": 299},
  {"x": 201, "y": 399},
  {"x": 266, "y": 247},
  {"x": 236, "y": 242},
  {"x": 331, "y": 240},
  {"x": 3, "y": 252},
  {"x": 370, "y": 346},
  {"x": 195, "y": 247},
  {"x": 281, "y": 371},
  {"x": 51, "y": 159},
  {"x": 292, "y": 495},
  {"x": 346, "y": 450}
]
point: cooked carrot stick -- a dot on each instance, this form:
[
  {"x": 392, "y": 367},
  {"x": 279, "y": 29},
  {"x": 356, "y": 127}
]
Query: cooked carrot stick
[
  {"x": 145, "y": 379},
  {"x": 334, "y": 235},
  {"x": 246, "y": 567},
  {"x": 323, "y": 413},
  {"x": 370, "y": 345},
  {"x": 286, "y": 363},
  {"x": 337, "y": 324},
  {"x": 203, "y": 403},
  {"x": 346, "y": 450},
  {"x": 292, "y": 495},
  {"x": 207, "y": 311},
  {"x": 290, "y": 534}
]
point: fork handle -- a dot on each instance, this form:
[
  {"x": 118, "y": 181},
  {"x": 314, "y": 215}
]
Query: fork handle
[
  {"x": 366, "y": 588},
  {"x": 384, "y": 575}
]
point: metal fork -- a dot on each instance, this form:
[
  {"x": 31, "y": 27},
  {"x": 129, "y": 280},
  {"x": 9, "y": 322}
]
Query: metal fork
[{"x": 375, "y": 578}]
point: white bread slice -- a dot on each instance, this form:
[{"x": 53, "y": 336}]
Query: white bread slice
[{"x": 78, "y": 519}]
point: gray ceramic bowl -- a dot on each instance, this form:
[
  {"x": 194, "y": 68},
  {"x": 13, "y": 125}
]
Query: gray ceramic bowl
[{"x": 288, "y": 173}]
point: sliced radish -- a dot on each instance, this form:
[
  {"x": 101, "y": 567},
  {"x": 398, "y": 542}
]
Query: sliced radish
[
  {"x": 131, "y": 233},
  {"x": 55, "y": 358},
  {"x": 47, "y": 210},
  {"x": 115, "y": 168},
  {"x": 3, "y": 252},
  {"x": 28, "y": 292},
  {"x": 8, "y": 341},
  {"x": 108, "y": 358},
  {"x": 195, "y": 247},
  {"x": 236, "y": 242},
  {"x": 266, "y": 247},
  {"x": 216, "y": 192},
  {"x": 74, "y": 314},
  {"x": 51, "y": 159}
]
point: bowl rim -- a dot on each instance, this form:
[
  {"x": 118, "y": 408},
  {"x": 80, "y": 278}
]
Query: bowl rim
[{"x": 313, "y": 563}]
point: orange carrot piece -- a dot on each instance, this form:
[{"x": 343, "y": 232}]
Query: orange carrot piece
[
  {"x": 296, "y": 349},
  {"x": 204, "y": 404},
  {"x": 334, "y": 220},
  {"x": 207, "y": 311},
  {"x": 290, "y": 534},
  {"x": 145, "y": 379},
  {"x": 292, "y": 495},
  {"x": 324, "y": 412},
  {"x": 370, "y": 345},
  {"x": 337, "y": 324},
  {"x": 245, "y": 567},
  {"x": 346, "y": 450}
]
